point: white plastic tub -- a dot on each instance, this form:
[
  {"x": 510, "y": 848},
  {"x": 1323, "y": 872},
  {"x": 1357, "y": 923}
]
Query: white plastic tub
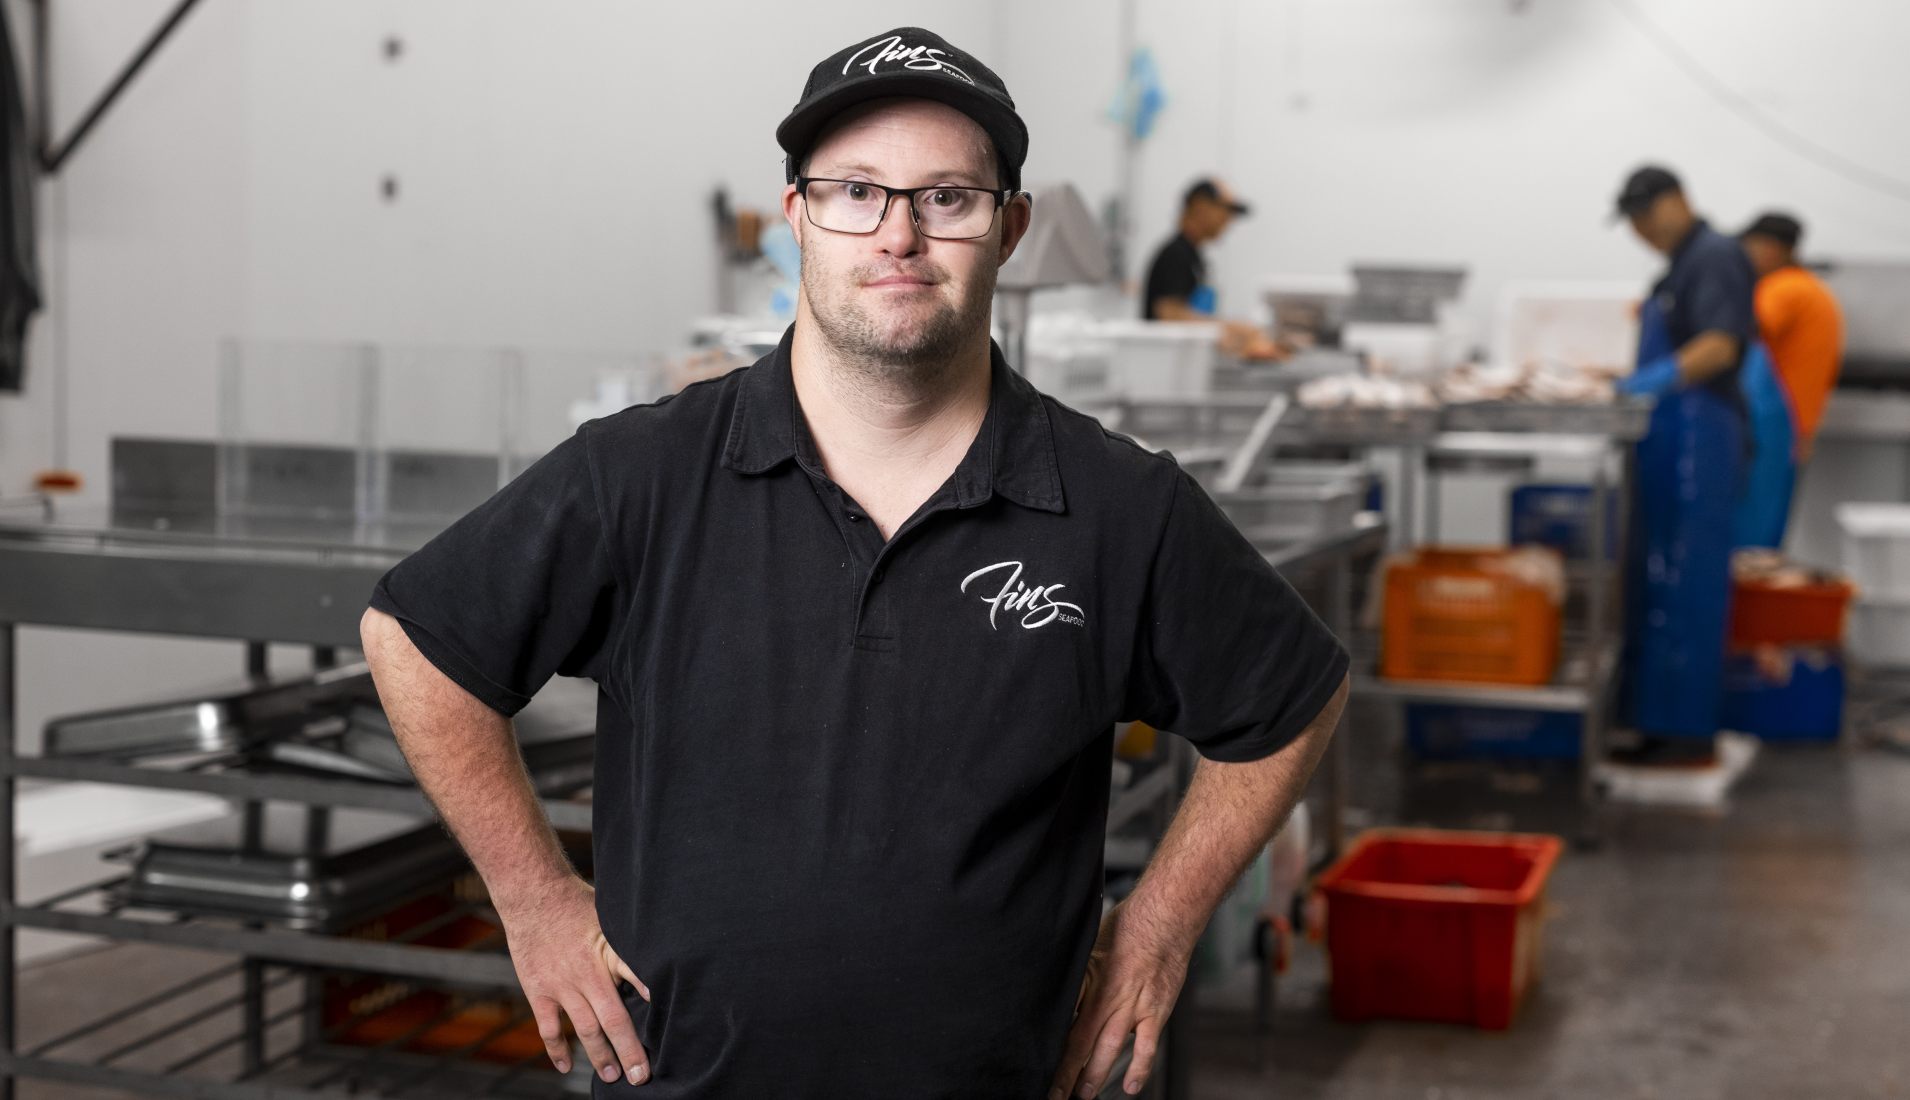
[
  {"x": 1162, "y": 358},
  {"x": 1879, "y": 634},
  {"x": 1877, "y": 549}
]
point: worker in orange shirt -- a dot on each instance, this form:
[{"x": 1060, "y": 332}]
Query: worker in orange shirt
[{"x": 1797, "y": 316}]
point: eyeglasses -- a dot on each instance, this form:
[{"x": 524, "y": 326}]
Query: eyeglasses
[{"x": 942, "y": 213}]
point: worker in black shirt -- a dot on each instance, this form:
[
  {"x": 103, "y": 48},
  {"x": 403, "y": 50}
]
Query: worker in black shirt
[
  {"x": 1695, "y": 330},
  {"x": 863, "y": 618},
  {"x": 1177, "y": 288}
]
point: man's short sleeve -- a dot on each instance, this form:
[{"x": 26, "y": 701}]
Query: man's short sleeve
[
  {"x": 516, "y": 591},
  {"x": 1721, "y": 297},
  {"x": 1228, "y": 655},
  {"x": 1175, "y": 273}
]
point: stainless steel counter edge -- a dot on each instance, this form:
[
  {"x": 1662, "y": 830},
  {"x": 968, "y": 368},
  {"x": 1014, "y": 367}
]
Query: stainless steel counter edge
[{"x": 312, "y": 602}]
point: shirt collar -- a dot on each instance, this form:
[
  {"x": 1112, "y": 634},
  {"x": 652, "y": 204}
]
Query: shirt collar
[
  {"x": 1698, "y": 229},
  {"x": 1013, "y": 455}
]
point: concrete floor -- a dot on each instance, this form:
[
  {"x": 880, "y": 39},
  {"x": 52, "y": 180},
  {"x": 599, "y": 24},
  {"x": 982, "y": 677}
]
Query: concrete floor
[{"x": 1762, "y": 953}]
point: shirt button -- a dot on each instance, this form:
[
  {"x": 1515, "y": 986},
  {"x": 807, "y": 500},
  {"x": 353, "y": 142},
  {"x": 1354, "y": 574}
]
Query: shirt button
[
  {"x": 853, "y": 517},
  {"x": 879, "y": 574}
]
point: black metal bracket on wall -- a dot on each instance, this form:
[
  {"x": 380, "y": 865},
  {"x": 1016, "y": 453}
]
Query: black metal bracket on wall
[{"x": 53, "y": 154}]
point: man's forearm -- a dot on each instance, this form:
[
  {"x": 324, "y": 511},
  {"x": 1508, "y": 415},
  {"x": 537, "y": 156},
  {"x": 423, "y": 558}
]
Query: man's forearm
[
  {"x": 1230, "y": 813},
  {"x": 1707, "y": 355},
  {"x": 465, "y": 757}
]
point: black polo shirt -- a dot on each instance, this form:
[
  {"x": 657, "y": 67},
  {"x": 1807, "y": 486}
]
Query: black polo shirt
[
  {"x": 851, "y": 796},
  {"x": 1710, "y": 287}
]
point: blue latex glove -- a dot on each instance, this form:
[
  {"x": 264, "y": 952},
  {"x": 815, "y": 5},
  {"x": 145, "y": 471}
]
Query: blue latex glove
[
  {"x": 1654, "y": 379},
  {"x": 1203, "y": 300}
]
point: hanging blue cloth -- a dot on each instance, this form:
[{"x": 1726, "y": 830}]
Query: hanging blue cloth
[
  {"x": 1678, "y": 554},
  {"x": 1765, "y": 508}
]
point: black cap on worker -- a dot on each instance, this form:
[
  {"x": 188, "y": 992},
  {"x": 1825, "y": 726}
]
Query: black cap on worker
[
  {"x": 1643, "y": 187},
  {"x": 907, "y": 61},
  {"x": 1782, "y": 228},
  {"x": 1209, "y": 190}
]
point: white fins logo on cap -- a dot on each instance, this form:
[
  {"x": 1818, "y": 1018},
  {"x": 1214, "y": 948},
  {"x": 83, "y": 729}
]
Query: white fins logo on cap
[{"x": 920, "y": 58}]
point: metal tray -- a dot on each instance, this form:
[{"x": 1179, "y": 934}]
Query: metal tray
[
  {"x": 370, "y": 862},
  {"x": 1283, "y": 513},
  {"x": 213, "y": 723},
  {"x": 558, "y": 756},
  {"x": 1354, "y": 424},
  {"x": 1626, "y": 419}
]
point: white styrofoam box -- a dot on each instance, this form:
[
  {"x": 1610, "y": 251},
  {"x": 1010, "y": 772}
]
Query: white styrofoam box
[
  {"x": 1879, "y": 633},
  {"x": 1068, "y": 356},
  {"x": 1584, "y": 324},
  {"x": 1877, "y": 548},
  {"x": 1162, "y": 358}
]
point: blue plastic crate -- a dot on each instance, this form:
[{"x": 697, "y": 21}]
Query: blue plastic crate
[
  {"x": 1560, "y": 516},
  {"x": 1793, "y": 693},
  {"x": 1437, "y": 731}
]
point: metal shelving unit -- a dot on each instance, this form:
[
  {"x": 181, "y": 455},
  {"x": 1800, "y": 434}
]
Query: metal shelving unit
[
  {"x": 309, "y": 588},
  {"x": 1507, "y": 438}
]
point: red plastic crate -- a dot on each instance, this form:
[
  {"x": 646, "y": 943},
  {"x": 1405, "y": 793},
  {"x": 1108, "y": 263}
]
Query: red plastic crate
[
  {"x": 1426, "y": 924},
  {"x": 1764, "y": 614}
]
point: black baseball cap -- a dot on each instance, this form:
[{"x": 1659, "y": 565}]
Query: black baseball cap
[
  {"x": 1209, "y": 190},
  {"x": 907, "y": 61},
  {"x": 1782, "y": 228},
  {"x": 1643, "y": 187}
]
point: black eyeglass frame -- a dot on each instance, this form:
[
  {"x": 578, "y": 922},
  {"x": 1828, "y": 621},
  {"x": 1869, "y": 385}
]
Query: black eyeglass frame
[{"x": 1002, "y": 198}]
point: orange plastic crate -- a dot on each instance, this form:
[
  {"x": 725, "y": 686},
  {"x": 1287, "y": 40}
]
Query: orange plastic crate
[{"x": 1448, "y": 618}]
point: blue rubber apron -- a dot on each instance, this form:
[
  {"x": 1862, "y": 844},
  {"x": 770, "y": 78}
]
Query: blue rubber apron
[
  {"x": 1678, "y": 555},
  {"x": 1765, "y": 508}
]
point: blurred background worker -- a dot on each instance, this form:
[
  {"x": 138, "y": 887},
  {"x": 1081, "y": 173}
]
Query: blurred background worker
[
  {"x": 1177, "y": 287},
  {"x": 1694, "y": 332},
  {"x": 1800, "y": 322}
]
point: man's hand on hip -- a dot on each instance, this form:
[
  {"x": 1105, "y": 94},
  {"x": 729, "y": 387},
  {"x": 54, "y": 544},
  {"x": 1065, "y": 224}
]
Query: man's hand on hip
[
  {"x": 1140, "y": 956},
  {"x": 564, "y": 962},
  {"x": 1134, "y": 976}
]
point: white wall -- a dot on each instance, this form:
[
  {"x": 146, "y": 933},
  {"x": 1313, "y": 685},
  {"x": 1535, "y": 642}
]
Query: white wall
[
  {"x": 1475, "y": 132},
  {"x": 554, "y": 159}
]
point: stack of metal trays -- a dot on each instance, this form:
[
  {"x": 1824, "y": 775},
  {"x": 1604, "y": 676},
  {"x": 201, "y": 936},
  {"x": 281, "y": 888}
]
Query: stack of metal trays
[
  {"x": 1296, "y": 502},
  {"x": 368, "y": 862},
  {"x": 1624, "y": 419},
  {"x": 219, "y": 722}
]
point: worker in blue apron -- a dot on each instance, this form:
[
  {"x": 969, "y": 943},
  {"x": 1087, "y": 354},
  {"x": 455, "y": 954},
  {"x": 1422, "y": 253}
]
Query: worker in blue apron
[{"x": 1694, "y": 333}]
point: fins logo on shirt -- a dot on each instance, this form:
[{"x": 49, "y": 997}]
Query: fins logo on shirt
[
  {"x": 1036, "y": 606},
  {"x": 920, "y": 58}
]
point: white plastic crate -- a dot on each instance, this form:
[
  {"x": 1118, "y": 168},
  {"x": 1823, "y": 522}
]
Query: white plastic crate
[
  {"x": 1162, "y": 358},
  {"x": 1877, "y": 549},
  {"x": 1879, "y": 633}
]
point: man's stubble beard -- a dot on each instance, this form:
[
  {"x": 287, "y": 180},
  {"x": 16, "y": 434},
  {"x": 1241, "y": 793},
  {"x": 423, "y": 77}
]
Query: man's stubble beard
[{"x": 910, "y": 351}]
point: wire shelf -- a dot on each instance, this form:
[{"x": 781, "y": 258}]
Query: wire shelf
[{"x": 251, "y": 1032}]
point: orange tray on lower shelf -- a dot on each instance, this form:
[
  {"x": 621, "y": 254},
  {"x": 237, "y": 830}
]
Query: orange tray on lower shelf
[{"x": 1450, "y": 617}]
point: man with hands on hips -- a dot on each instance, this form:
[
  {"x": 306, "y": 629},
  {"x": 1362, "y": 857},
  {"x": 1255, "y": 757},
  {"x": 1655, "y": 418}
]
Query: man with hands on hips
[{"x": 863, "y": 617}]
